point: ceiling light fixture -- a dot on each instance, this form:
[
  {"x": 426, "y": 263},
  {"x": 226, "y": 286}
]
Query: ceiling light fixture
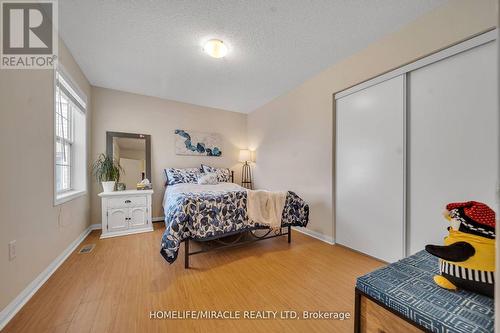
[{"x": 215, "y": 48}]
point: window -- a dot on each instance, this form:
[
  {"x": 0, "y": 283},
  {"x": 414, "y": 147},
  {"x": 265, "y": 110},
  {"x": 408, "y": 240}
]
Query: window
[
  {"x": 70, "y": 161},
  {"x": 64, "y": 142}
]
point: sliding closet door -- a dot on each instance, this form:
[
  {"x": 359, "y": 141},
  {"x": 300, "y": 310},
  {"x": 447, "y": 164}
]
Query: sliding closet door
[
  {"x": 369, "y": 170},
  {"x": 453, "y": 119}
]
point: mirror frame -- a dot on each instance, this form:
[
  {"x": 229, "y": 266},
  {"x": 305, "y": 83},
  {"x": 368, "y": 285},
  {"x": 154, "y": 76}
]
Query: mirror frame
[{"x": 147, "y": 137}]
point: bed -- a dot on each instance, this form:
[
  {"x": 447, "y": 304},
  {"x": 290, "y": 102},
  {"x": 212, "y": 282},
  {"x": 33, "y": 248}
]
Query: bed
[{"x": 210, "y": 212}]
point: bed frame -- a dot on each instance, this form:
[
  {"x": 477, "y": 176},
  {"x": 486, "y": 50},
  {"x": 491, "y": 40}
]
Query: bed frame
[
  {"x": 225, "y": 245},
  {"x": 221, "y": 244},
  {"x": 371, "y": 315}
]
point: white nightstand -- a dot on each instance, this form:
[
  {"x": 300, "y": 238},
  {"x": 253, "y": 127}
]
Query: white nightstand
[{"x": 126, "y": 212}]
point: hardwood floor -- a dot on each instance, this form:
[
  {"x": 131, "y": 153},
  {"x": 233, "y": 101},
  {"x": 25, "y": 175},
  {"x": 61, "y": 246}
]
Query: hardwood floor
[{"x": 115, "y": 287}]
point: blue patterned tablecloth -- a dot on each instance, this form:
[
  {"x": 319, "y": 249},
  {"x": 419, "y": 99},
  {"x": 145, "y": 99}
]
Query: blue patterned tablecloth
[{"x": 407, "y": 287}]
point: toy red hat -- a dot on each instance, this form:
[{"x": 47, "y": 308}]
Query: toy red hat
[{"x": 475, "y": 218}]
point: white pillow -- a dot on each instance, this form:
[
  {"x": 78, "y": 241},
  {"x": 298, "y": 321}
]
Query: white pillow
[
  {"x": 209, "y": 178},
  {"x": 223, "y": 174}
]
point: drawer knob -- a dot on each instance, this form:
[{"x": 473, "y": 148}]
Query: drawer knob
[{"x": 128, "y": 201}]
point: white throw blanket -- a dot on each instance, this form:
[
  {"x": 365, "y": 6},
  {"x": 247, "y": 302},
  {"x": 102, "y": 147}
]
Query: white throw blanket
[{"x": 266, "y": 207}]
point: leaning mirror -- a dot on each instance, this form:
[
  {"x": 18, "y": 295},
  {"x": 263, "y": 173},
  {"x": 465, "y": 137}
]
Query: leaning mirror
[{"x": 133, "y": 153}]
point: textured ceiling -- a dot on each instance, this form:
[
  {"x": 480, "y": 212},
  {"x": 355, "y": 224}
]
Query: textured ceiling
[{"x": 153, "y": 47}]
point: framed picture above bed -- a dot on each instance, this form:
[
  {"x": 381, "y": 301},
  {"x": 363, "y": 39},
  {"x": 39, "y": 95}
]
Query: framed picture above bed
[{"x": 197, "y": 143}]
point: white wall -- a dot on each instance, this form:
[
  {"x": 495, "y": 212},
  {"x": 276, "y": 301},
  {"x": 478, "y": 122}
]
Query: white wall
[
  {"x": 42, "y": 230},
  {"x": 125, "y": 112},
  {"x": 293, "y": 134}
]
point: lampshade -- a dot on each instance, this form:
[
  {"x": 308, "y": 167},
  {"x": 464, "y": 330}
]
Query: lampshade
[{"x": 245, "y": 155}]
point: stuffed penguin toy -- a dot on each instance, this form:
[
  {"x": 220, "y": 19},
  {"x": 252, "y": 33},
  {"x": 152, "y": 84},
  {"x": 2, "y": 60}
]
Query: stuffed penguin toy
[{"x": 467, "y": 260}]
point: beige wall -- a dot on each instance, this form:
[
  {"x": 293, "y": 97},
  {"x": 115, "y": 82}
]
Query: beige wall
[
  {"x": 132, "y": 172},
  {"x": 125, "y": 112},
  {"x": 293, "y": 134},
  {"x": 42, "y": 231}
]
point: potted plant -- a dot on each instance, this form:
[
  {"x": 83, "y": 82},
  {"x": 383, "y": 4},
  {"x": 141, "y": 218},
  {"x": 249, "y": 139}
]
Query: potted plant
[{"x": 107, "y": 171}]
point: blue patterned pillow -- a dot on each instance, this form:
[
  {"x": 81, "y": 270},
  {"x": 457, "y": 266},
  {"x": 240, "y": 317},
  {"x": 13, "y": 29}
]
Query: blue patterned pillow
[
  {"x": 178, "y": 176},
  {"x": 223, "y": 174}
]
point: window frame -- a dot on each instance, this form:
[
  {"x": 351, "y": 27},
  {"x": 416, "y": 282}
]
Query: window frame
[
  {"x": 71, "y": 193},
  {"x": 65, "y": 141}
]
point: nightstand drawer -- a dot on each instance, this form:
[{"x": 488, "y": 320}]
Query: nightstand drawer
[{"x": 130, "y": 201}]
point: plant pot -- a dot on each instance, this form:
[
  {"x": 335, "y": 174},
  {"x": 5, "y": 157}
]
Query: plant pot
[{"x": 108, "y": 186}]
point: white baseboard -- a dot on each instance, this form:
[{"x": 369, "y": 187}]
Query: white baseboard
[
  {"x": 96, "y": 226},
  {"x": 17, "y": 303},
  {"x": 158, "y": 219},
  {"x": 315, "y": 234},
  {"x": 126, "y": 232}
]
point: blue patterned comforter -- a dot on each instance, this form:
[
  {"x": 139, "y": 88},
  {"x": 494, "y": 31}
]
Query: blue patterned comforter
[
  {"x": 204, "y": 212},
  {"x": 407, "y": 287}
]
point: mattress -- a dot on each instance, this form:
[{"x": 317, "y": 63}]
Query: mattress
[
  {"x": 408, "y": 288},
  {"x": 173, "y": 191}
]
